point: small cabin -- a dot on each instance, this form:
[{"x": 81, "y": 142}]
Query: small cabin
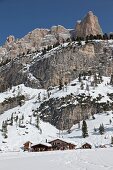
[
  {"x": 86, "y": 146},
  {"x": 102, "y": 146},
  {"x": 60, "y": 144},
  {"x": 41, "y": 147},
  {"x": 27, "y": 146}
]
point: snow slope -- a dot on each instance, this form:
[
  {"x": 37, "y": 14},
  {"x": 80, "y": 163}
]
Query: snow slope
[
  {"x": 100, "y": 159},
  {"x": 17, "y": 136},
  {"x": 94, "y": 138}
]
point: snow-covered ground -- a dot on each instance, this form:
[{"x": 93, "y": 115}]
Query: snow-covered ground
[{"x": 98, "y": 159}]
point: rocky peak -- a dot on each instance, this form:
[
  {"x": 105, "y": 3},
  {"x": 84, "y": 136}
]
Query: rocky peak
[
  {"x": 10, "y": 39},
  {"x": 60, "y": 32},
  {"x": 89, "y": 25},
  {"x": 58, "y": 29}
]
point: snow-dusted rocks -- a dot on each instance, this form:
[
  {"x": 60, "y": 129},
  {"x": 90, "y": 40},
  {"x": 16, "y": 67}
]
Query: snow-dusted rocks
[{"x": 10, "y": 39}]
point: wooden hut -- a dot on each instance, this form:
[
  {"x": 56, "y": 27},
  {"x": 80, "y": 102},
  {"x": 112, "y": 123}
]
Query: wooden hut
[
  {"x": 41, "y": 147},
  {"x": 86, "y": 146},
  {"x": 27, "y": 146},
  {"x": 61, "y": 144},
  {"x": 102, "y": 146}
]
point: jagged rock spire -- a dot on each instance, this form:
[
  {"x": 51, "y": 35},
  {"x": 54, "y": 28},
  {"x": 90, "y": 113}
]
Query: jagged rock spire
[{"x": 89, "y": 25}]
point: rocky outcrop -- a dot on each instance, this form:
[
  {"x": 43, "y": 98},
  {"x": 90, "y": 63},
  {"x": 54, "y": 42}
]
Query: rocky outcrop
[
  {"x": 65, "y": 112},
  {"x": 62, "y": 113},
  {"x": 10, "y": 39},
  {"x": 88, "y": 49},
  {"x": 33, "y": 41},
  {"x": 39, "y": 38},
  {"x": 66, "y": 63},
  {"x": 10, "y": 103},
  {"x": 61, "y": 33},
  {"x": 88, "y": 26}
]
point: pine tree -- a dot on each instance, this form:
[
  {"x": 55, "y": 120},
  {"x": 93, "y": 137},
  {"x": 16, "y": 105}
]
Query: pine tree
[
  {"x": 30, "y": 121},
  {"x": 37, "y": 121},
  {"x": 19, "y": 122},
  {"x": 60, "y": 84},
  {"x": 84, "y": 129},
  {"x": 95, "y": 129},
  {"x": 110, "y": 121},
  {"x": 111, "y": 80},
  {"x": 44, "y": 51},
  {"x": 105, "y": 36},
  {"x": 79, "y": 79},
  {"x": 4, "y": 129},
  {"x": 87, "y": 87},
  {"x": 39, "y": 97},
  {"x": 95, "y": 80},
  {"x": 12, "y": 119},
  {"x": 82, "y": 86},
  {"x": 101, "y": 129},
  {"x": 3, "y": 125},
  {"x": 112, "y": 140},
  {"x": 65, "y": 86},
  {"x": 16, "y": 119},
  {"x": 22, "y": 117}
]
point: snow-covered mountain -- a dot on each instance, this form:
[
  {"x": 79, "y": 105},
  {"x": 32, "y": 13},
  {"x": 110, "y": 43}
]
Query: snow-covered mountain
[
  {"x": 46, "y": 93},
  {"x": 21, "y": 121},
  {"x": 57, "y": 83}
]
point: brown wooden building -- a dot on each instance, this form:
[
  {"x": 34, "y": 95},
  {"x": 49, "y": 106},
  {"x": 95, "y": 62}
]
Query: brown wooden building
[
  {"x": 27, "y": 146},
  {"x": 41, "y": 147},
  {"x": 86, "y": 146},
  {"x": 102, "y": 146},
  {"x": 61, "y": 144}
]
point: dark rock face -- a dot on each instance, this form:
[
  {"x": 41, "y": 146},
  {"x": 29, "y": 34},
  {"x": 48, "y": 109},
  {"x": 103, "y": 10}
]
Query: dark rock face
[
  {"x": 63, "y": 113},
  {"x": 63, "y": 117},
  {"x": 10, "y": 103}
]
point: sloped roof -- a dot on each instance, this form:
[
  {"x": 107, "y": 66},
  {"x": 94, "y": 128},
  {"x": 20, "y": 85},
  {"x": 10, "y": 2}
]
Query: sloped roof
[
  {"x": 86, "y": 143},
  {"x": 64, "y": 140},
  {"x": 44, "y": 144},
  {"x": 27, "y": 142}
]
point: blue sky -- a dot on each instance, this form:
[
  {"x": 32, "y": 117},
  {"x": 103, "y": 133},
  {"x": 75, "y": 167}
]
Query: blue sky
[{"x": 18, "y": 17}]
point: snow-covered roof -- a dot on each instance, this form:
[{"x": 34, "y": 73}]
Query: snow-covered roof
[
  {"x": 84, "y": 143},
  {"x": 64, "y": 140},
  {"x": 27, "y": 142},
  {"x": 45, "y": 144}
]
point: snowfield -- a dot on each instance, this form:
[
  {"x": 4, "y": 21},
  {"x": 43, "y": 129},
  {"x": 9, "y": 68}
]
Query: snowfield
[{"x": 100, "y": 159}]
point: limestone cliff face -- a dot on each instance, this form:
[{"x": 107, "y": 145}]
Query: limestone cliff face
[
  {"x": 68, "y": 62},
  {"x": 40, "y": 38},
  {"x": 63, "y": 63},
  {"x": 89, "y": 25},
  {"x": 60, "y": 33},
  {"x": 88, "y": 50},
  {"x": 33, "y": 41}
]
